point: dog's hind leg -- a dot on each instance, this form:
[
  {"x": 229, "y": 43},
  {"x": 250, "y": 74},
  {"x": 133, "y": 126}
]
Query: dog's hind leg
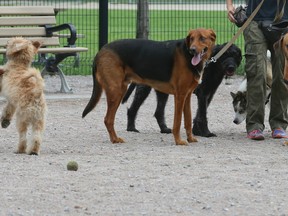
[
  {"x": 22, "y": 127},
  {"x": 37, "y": 129},
  {"x": 7, "y": 115},
  {"x": 160, "y": 111},
  {"x": 113, "y": 101},
  {"x": 141, "y": 93}
]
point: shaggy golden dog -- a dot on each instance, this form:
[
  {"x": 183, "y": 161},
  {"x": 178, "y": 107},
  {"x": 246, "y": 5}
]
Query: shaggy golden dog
[
  {"x": 23, "y": 87},
  {"x": 173, "y": 67}
]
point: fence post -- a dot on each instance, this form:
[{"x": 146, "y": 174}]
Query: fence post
[
  {"x": 103, "y": 23},
  {"x": 142, "y": 19}
]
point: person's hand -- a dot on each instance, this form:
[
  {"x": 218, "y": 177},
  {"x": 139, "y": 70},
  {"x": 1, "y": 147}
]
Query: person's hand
[{"x": 230, "y": 13}]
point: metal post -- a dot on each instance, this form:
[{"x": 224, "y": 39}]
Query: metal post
[
  {"x": 142, "y": 19},
  {"x": 103, "y": 23}
]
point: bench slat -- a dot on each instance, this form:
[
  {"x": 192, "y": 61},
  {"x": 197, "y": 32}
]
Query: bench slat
[
  {"x": 26, "y": 10},
  {"x": 22, "y": 31},
  {"x": 56, "y": 50},
  {"x": 32, "y": 20},
  {"x": 31, "y": 31},
  {"x": 46, "y": 41},
  {"x": 67, "y": 35},
  {"x": 63, "y": 50}
]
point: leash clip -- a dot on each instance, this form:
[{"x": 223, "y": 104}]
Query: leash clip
[{"x": 212, "y": 59}]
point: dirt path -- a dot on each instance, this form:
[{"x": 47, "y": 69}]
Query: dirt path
[{"x": 149, "y": 174}]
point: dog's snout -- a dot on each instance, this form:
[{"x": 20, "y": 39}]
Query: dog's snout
[
  {"x": 231, "y": 67},
  {"x": 192, "y": 50},
  {"x": 236, "y": 121}
]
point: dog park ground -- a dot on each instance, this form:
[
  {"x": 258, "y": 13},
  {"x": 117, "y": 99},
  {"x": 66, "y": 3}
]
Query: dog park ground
[{"x": 148, "y": 175}]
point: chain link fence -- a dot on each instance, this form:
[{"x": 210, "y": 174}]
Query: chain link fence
[{"x": 168, "y": 19}]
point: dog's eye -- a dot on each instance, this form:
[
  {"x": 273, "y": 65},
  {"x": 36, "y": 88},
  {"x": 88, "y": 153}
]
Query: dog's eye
[
  {"x": 202, "y": 39},
  {"x": 241, "y": 111}
]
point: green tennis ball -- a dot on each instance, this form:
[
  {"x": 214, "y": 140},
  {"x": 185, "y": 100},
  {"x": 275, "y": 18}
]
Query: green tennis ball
[{"x": 72, "y": 166}]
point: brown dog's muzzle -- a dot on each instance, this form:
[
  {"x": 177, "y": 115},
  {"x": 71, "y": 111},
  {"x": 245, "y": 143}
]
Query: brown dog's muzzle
[{"x": 197, "y": 56}]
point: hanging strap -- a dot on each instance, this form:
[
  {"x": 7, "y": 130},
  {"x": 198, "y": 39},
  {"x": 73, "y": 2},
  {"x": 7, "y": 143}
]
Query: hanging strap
[
  {"x": 279, "y": 13},
  {"x": 223, "y": 50}
]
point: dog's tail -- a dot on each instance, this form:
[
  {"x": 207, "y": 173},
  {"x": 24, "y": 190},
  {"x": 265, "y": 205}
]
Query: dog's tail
[
  {"x": 96, "y": 92},
  {"x": 129, "y": 92}
]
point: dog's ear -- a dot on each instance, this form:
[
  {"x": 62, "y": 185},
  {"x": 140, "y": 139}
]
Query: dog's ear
[
  {"x": 18, "y": 47},
  {"x": 233, "y": 95},
  {"x": 212, "y": 35},
  {"x": 188, "y": 38},
  {"x": 37, "y": 45}
]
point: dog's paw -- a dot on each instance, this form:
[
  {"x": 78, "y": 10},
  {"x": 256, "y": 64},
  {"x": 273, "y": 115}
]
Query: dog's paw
[
  {"x": 22, "y": 146},
  {"x": 192, "y": 139},
  {"x": 199, "y": 131},
  {"x": 33, "y": 153},
  {"x": 5, "y": 123},
  {"x": 166, "y": 130},
  {"x": 20, "y": 152},
  {"x": 132, "y": 129},
  {"x": 210, "y": 135},
  {"x": 182, "y": 143},
  {"x": 117, "y": 140}
]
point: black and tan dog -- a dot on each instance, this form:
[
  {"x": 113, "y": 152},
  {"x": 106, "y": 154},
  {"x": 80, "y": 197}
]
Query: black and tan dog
[
  {"x": 212, "y": 77},
  {"x": 173, "y": 67}
]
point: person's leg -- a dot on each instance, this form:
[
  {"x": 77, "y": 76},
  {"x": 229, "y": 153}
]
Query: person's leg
[
  {"x": 278, "y": 117},
  {"x": 255, "y": 68}
]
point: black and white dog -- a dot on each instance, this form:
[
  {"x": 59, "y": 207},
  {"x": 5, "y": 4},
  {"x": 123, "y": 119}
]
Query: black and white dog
[
  {"x": 213, "y": 75},
  {"x": 239, "y": 98}
]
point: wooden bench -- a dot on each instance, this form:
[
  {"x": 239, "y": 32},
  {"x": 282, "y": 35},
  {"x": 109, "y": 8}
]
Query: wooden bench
[{"x": 38, "y": 23}]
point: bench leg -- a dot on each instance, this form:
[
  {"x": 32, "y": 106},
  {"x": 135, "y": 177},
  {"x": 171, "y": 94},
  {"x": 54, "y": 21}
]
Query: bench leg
[{"x": 65, "y": 88}]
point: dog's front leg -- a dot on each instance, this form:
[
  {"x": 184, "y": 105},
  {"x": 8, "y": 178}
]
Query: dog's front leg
[
  {"x": 179, "y": 105},
  {"x": 188, "y": 119},
  {"x": 7, "y": 115}
]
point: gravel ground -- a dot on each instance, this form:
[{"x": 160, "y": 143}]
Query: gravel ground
[{"x": 147, "y": 175}]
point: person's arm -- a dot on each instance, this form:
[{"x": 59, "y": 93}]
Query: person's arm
[{"x": 230, "y": 10}]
